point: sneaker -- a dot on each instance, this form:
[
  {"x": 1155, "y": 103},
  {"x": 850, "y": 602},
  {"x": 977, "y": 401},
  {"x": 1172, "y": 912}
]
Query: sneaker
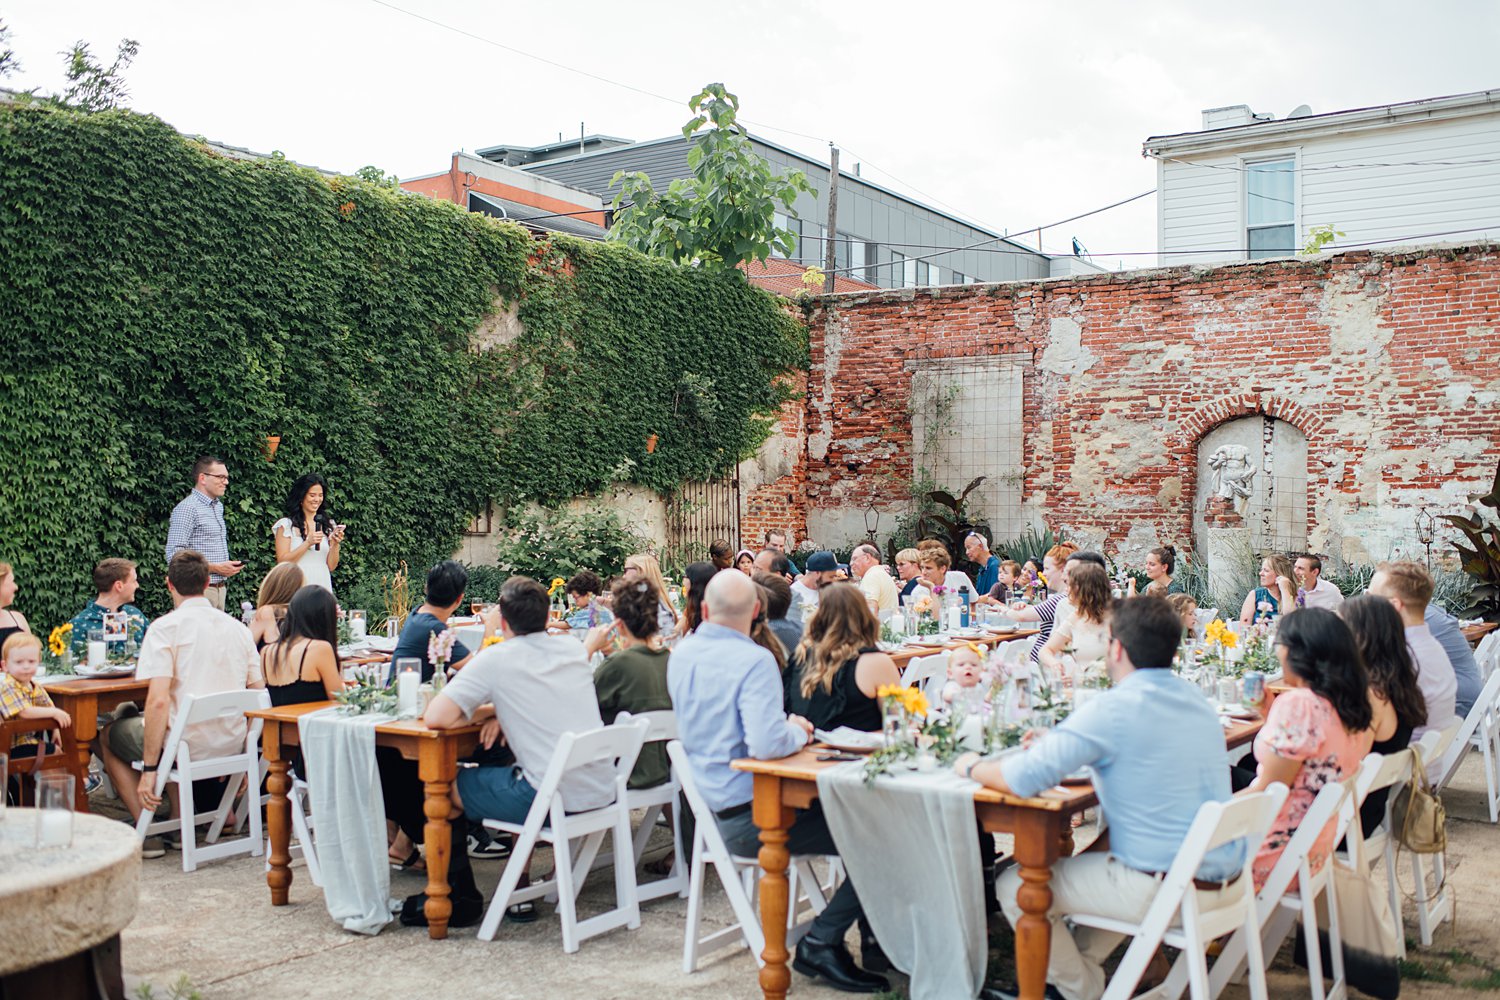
[
  {"x": 92, "y": 782},
  {"x": 171, "y": 841},
  {"x": 152, "y": 847},
  {"x": 484, "y": 847}
]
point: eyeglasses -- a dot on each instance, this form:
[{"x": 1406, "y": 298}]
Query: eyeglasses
[{"x": 217, "y": 475}]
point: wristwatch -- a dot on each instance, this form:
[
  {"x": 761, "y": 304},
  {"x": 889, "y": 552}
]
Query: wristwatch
[{"x": 150, "y": 767}]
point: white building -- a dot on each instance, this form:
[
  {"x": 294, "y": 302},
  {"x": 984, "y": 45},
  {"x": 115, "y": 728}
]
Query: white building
[{"x": 1251, "y": 185}]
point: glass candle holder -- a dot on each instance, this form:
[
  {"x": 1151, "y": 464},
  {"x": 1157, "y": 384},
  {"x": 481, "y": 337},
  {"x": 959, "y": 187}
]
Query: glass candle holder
[
  {"x": 358, "y": 623},
  {"x": 54, "y": 809},
  {"x": 408, "y": 687},
  {"x": 98, "y": 650}
]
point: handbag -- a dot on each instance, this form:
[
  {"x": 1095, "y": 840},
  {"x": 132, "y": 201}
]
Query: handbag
[
  {"x": 1418, "y": 819},
  {"x": 1367, "y": 929}
]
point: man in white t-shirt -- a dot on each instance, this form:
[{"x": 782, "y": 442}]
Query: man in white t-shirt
[
  {"x": 1408, "y": 586},
  {"x": 874, "y": 582},
  {"x": 1316, "y": 591},
  {"x": 822, "y": 569},
  {"x": 531, "y": 689},
  {"x": 194, "y": 650}
]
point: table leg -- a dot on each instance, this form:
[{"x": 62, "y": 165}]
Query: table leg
[
  {"x": 1037, "y": 839},
  {"x": 437, "y": 766},
  {"x": 775, "y": 821},
  {"x": 85, "y": 713},
  {"x": 278, "y": 815}
]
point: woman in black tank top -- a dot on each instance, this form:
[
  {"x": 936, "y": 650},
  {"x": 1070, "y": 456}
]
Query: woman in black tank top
[
  {"x": 303, "y": 665},
  {"x": 837, "y": 668}
]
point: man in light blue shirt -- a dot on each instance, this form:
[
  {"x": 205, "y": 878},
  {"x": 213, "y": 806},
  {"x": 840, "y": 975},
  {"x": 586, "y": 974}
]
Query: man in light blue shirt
[
  {"x": 1157, "y": 752},
  {"x": 727, "y": 696},
  {"x": 1450, "y": 635}
]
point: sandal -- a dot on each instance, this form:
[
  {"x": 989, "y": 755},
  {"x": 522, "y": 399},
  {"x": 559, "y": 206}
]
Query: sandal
[
  {"x": 412, "y": 862},
  {"x": 522, "y": 913}
]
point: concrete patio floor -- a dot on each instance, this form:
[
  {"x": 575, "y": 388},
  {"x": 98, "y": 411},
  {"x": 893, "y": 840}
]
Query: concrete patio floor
[{"x": 216, "y": 926}]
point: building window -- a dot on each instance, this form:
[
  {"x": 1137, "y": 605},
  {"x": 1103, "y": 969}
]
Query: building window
[
  {"x": 781, "y": 222},
  {"x": 849, "y": 252},
  {"x": 928, "y": 274},
  {"x": 810, "y": 247},
  {"x": 1270, "y": 208},
  {"x": 898, "y": 271}
]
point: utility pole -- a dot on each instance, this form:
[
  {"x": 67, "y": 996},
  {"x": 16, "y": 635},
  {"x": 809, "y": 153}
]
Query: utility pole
[{"x": 830, "y": 255}]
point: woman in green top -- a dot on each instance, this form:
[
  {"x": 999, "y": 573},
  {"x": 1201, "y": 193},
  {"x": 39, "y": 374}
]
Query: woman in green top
[
  {"x": 634, "y": 679},
  {"x": 1160, "y": 565}
]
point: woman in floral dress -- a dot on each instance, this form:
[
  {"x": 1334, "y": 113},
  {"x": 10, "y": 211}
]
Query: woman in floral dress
[{"x": 1315, "y": 733}]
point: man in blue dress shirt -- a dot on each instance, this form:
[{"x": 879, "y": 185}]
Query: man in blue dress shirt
[
  {"x": 1157, "y": 752},
  {"x": 727, "y": 695}
]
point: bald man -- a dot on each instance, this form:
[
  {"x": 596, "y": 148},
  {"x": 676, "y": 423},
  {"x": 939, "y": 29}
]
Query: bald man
[{"x": 727, "y": 696}]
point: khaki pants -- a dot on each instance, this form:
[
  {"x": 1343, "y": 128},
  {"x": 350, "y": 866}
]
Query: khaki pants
[
  {"x": 215, "y": 594},
  {"x": 1094, "y": 883}
]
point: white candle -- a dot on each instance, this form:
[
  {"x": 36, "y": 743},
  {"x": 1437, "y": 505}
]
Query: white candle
[
  {"x": 408, "y": 687},
  {"x": 955, "y": 619},
  {"x": 357, "y": 626},
  {"x": 54, "y": 828},
  {"x": 96, "y": 654},
  {"x": 898, "y": 623}
]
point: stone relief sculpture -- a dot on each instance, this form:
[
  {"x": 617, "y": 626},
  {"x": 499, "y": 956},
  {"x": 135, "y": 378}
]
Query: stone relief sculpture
[{"x": 1232, "y": 471}]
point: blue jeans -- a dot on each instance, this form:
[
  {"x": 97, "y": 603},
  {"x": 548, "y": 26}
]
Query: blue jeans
[{"x": 501, "y": 793}]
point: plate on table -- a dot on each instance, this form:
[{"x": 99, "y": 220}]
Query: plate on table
[
  {"x": 971, "y": 633},
  {"x": 851, "y": 740},
  {"x": 1001, "y": 629},
  {"x": 108, "y": 670},
  {"x": 926, "y": 642},
  {"x": 1082, "y": 776},
  {"x": 1239, "y": 713}
]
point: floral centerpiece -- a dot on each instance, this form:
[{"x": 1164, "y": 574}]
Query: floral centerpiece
[
  {"x": 1221, "y": 639},
  {"x": 909, "y": 741},
  {"x": 556, "y": 596},
  {"x": 60, "y": 649},
  {"x": 926, "y": 610},
  {"x": 345, "y": 635},
  {"x": 367, "y": 696},
  {"x": 439, "y": 652}
]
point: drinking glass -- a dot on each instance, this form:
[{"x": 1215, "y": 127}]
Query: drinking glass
[
  {"x": 54, "y": 809},
  {"x": 893, "y": 722},
  {"x": 476, "y": 608}
]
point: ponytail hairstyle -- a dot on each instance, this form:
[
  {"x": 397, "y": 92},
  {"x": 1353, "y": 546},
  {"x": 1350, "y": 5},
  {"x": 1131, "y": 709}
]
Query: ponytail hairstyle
[{"x": 1322, "y": 651}]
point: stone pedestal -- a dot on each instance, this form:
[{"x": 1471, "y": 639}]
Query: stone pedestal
[{"x": 62, "y": 908}]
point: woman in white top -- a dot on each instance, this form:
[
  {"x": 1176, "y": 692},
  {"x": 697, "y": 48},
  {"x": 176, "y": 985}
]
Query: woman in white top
[
  {"x": 1086, "y": 629},
  {"x": 307, "y": 536}
]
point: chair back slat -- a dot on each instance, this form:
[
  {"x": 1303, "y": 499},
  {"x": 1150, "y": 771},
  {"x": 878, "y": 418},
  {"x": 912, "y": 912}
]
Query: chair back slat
[
  {"x": 661, "y": 725},
  {"x": 1324, "y": 810},
  {"x": 1454, "y": 747}
]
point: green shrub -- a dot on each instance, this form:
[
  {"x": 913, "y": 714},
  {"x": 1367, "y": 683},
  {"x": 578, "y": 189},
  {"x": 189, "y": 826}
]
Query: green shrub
[{"x": 547, "y": 544}]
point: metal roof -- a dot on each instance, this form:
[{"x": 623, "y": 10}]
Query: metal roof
[{"x": 533, "y": 217}]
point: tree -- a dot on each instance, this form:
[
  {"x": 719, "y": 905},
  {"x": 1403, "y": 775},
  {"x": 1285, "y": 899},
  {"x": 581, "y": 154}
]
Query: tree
[
  {"x": 8, "y": 62},
  {"x": 378, "y": 177},
  {"x": 92, "y": 87},
  {"x": 726, "y": 212}
]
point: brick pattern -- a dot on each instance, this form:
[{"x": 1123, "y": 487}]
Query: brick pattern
[{"x": 1385, "y": 361}]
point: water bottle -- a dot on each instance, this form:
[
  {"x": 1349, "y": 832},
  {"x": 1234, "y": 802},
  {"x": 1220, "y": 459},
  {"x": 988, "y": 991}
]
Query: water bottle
[{"x": 963, "y": 616}]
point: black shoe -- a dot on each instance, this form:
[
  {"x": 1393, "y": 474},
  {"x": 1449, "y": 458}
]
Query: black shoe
[
  {"x": 467, "y": 911},
  {"x": 834, "y": 965},
  {"x": 871, "y": 955},
  {"x": 1009, "y": 992}
]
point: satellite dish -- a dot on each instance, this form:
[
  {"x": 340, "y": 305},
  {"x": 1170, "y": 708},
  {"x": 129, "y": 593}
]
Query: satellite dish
[{"x": 1300, "y": 111}]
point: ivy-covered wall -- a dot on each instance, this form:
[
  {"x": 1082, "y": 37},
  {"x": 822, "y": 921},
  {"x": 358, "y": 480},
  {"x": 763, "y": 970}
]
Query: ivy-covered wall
[{"x": 158, "y": 301}]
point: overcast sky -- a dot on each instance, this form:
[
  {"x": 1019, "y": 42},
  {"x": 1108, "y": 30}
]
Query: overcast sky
[{"x": 1013, "y": 115}]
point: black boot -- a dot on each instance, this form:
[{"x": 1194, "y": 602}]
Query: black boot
[{"x": 871, "y": 955}]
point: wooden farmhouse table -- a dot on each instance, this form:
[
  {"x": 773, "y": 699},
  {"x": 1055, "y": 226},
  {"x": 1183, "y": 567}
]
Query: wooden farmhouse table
[
  {"x": 84, "y": 698},
  {"x": 436, "y": 752},
  {"x": 1042, "y": 827},
  {"x": 1474, "y": 633},
  {"x": 906, "y": 654}
]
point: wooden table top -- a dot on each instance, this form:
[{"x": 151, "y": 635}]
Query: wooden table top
[
  {"x": 413, "y": 728},
  {"x": 94, "y": 685},
  {"x": 1474, "y": 633},
  {"x": 907, "y": 653},
  {"x": 805, "y": 766}
]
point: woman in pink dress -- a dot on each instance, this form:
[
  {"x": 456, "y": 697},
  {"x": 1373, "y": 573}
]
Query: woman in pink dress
[{"x": 1315, "y": 733}]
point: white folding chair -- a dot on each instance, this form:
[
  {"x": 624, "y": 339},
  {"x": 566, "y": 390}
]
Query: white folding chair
[
  {"x": 177, "y": 766},
  {"x": 1175, "y": 917},
  {"x": 617, "y": 746},
  {"x": 1278, "y": 905},
  {"x": 740, "y": 878},
  {"x": 1376, "y": 772},
  {"x": 1433, "y": 900},
  {"x": 1205, "y": 615},
  {"x": 1487, "y": 654},
  {"x": 924, "y": 670},
  {"x": 661, "y": 728},
  {"x": 1478, "y": 729}
]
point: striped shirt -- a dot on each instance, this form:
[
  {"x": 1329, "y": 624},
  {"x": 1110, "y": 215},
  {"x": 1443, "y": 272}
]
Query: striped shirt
[{"x": 198, "y": 524}]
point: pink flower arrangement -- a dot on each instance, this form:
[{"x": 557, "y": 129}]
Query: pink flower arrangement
[{"x": 440, "y": 647}]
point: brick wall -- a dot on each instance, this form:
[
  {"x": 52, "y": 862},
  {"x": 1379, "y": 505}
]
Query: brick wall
[{"x": 1386, "y": 361}]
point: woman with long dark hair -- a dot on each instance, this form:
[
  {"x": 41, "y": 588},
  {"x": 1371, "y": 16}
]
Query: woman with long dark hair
[
  {"x": 303, "y": 664},
  {"x": 1086, "y": 630},
  {"x": 307, "y": 535},
  {"x": 1317, "y": 732},
  {"x": 694, "y": 582},
  {"x": 1396, "y": 702}
]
